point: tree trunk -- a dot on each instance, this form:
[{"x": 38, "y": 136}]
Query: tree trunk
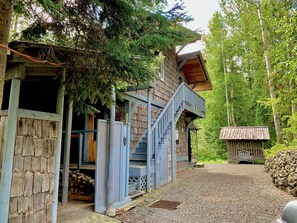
[
  {"x": 269, "y": 73},
  {"x": 232, "y": 116},
  {"x": 226, "y": 86},
  {"x": 5, "y": 19}
]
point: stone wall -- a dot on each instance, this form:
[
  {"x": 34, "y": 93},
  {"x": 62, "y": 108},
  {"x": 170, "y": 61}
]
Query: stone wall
[
  {"x": 33, "y": 171},
  {"x": 283, "y": 170}
]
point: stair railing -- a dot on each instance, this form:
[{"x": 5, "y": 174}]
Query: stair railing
[{"x": 184, "y": 97}]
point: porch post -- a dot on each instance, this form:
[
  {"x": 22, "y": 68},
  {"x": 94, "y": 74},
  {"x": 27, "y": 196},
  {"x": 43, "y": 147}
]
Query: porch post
[
  {"x": 8, "y": 149},
  {"x": 85, "y": 146},
  {"x": 59, "y": 111},
  {"x": 110, "y": 210},
  {"x": 149, "y": 140},
  {"x": 197, "y": 144},
  {"x": 67, "y": 145},
  {"x": 173, "y": 147}
]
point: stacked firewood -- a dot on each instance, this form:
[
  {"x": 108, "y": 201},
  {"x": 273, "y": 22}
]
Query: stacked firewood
[{"x": 80, "y": 183}]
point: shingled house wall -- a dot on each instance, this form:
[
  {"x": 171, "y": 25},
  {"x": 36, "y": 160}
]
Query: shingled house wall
[
  {"x": 33, "y": 171},
  {"x": 3, "y": 120},
  {"x": 161, "y": 93}
]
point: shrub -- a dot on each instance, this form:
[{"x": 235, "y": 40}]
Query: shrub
[{"x": 268, "y": 153}]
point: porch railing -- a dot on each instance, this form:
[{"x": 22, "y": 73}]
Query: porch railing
[{"x": 81, "y": 142}]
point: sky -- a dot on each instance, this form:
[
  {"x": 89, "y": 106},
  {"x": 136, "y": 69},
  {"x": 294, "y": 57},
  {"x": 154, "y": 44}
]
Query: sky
[{"x": 201, "y": 11}]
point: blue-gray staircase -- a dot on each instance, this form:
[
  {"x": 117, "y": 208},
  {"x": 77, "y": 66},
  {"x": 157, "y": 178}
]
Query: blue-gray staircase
[{"x": 183, "y": 99}]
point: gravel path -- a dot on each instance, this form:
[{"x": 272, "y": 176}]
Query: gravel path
[{"x": 218, "y": 193}]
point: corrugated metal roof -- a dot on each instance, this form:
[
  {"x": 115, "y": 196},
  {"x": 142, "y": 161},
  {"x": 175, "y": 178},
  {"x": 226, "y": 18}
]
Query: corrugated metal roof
[{"x": 245, "y": 133}]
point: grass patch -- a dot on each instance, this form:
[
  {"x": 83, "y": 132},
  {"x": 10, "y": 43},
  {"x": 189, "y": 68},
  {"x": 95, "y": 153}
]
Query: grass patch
[{"x": 215, "y": 161}]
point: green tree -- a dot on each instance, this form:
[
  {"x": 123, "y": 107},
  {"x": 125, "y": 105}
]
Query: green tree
[
  {"x": 121, "y": 38},
  {"x": 5, "y": 19}
]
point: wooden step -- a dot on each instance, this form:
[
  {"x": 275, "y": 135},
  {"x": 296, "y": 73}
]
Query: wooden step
[
  {"x": 132, "y": 187},
  {"x": 136, "y": 193},
  {"x": 138, "y": 156}
]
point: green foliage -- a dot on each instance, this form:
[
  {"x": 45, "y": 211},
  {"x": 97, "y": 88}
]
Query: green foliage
[
  {"x": 213, "y": 161},
  {"x": 235, "y": 61},
  {"x": 121, "y": 40},
  {"x": 268, "y": 153}
]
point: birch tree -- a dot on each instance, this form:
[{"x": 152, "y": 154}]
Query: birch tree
[{"x": 269, "y": 73}]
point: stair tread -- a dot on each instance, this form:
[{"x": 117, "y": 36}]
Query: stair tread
[
  {"x": 140, "y": 152},
  {"x": 137, "y": 159},
  {"x": 136, "y": 193},
  {"x": 137, "y": 165}
]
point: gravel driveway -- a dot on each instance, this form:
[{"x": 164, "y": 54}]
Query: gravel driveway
[{"x": 217, "y": 193}]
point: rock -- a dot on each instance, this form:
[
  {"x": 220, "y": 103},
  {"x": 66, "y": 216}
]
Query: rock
[
  {"x": 282, "y": 168},
  {"x": 199, "y": 165}
]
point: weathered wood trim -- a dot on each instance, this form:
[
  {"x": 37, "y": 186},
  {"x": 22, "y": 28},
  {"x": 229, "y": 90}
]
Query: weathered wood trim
[
  {"x": 131, "y": 96},
  {"x": 4, "y": 113},
  {"x": 8, "y": 149},
  {"x": 149, "y": 142},
  {"x": 59, "y": 110},
  {"x": 67, "y": 145},
  {"x": 181, "y": 64},
  {"x": 24, "y": 113},
  {"x": 173, "y": 146},
  {"x": 16, "y": 71},
  {"x": 110, "y": 210},
  {"x": 194, "y": 110}
]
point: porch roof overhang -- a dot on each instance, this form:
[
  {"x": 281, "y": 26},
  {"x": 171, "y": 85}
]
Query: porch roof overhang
[{"x": 193, "y": 67}]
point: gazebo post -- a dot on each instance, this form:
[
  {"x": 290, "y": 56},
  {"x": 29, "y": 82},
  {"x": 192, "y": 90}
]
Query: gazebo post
[{"x": 197, "y": 145}]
